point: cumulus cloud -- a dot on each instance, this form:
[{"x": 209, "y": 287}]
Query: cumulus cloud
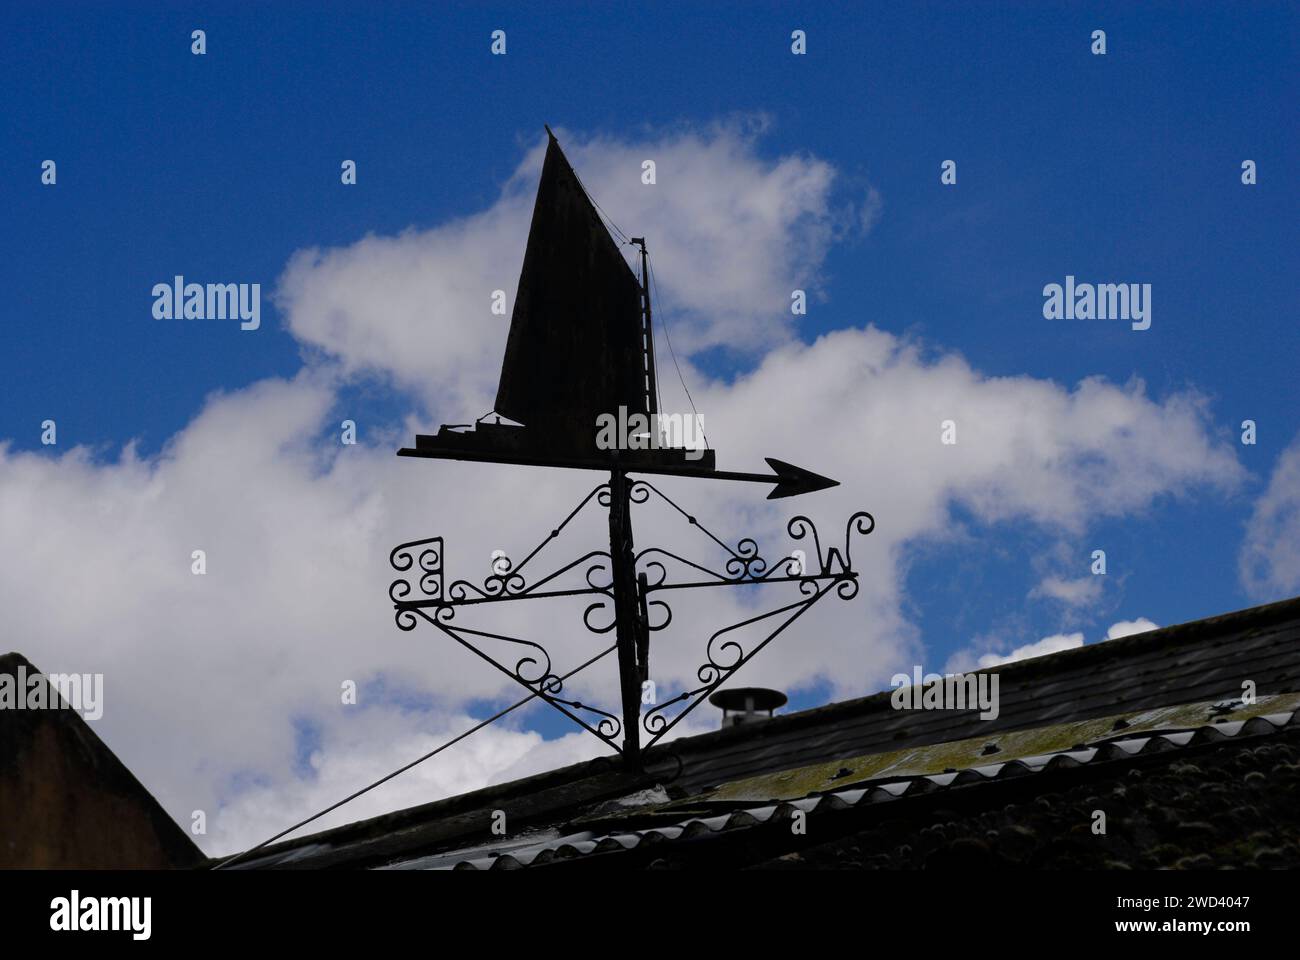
[
  {"x": 731, "y": 234},
  {"x": 222, "y": 691},
  {"x": 1126, "y": 628},
  {"x": 1027, "y": 449},
  {"x": 1269, "y": 561},
  {"x": 1053, "y": 644}
]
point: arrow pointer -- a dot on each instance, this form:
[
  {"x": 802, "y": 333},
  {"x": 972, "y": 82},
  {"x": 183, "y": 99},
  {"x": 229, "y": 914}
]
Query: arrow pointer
[
  {"x": 788, "y": 480},
  {"x": 793, "y": 481}
]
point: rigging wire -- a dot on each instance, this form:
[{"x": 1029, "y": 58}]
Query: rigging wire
[
  {"x": 622, "y": 236},
  {"x": 400, "y": 770},
  {"x": 673, "y": 353}
]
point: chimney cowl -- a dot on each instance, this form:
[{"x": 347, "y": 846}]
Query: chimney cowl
[{"x": 747, "y": 704}]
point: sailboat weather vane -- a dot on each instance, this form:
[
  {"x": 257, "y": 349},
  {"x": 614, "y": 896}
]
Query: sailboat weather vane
[{"x": 581, "y": 351}]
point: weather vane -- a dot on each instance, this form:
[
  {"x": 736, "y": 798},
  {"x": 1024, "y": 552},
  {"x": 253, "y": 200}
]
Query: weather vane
[{"x": 581, "y": 352}]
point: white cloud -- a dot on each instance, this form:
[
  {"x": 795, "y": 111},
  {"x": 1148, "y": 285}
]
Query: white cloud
[
  {"x": 870, "y": 212},
  {"x": 1053, "y": 644},
  {"x": 1073, "y": 593},
  {"x": 1269, "y": 561},
  {"x": 1126, "y": 628},
  {"x": 730, "y": 234},
  {"x": 210, "y": 681},
  {"x": 1041, "y": 648}
]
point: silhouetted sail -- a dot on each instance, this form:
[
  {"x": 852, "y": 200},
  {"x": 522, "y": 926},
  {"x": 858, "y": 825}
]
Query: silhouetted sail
[
  {"x": 580, "y": 347},
  {"x": 574, "y": 350}
]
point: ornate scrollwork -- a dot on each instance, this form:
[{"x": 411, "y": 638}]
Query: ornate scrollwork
[
  {"x": 602, "y": 605},
  {"x": 654, "y": 722},
  {"x": 402, "y": 558},
  {"x": 832, "y": 561},
  {"x": 725, "y": 653},
  {"x": 861, "y": 523},
  {"x": 529, "y": 663},
  {"x": 745, "y": 562}
]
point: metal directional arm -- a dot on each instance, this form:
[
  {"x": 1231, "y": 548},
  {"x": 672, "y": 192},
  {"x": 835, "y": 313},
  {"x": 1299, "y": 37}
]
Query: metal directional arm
[{"x": 789, "y": 480}]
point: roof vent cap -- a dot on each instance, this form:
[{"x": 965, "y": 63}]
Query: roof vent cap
[{"x": 747, "y": 704}]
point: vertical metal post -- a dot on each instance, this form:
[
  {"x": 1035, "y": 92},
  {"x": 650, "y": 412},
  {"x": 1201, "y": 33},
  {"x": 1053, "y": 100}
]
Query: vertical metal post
[{"x": 627, "y": 614}]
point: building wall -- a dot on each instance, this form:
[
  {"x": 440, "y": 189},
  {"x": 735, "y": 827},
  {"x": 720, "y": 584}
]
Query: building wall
[{"x": 67, "y": 801}]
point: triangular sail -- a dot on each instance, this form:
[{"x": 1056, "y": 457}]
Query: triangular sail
[{"x": 574, "y": 350}]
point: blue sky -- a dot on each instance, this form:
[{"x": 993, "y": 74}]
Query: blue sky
[{"x": 1118, "y": 168}]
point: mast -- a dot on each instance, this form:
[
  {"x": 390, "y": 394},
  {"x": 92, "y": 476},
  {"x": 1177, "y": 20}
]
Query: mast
[{"x": 648, "y": 342}]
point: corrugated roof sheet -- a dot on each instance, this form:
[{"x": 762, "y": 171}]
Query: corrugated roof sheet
[{"x": 1259, "y": 720}]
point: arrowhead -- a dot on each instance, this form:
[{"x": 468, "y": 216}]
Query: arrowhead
[{"x": 791, "y": 481}]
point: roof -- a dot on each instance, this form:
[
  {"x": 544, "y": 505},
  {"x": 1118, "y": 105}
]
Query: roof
[
  {"x": 776, "y": 798},
  {"x": 1077, "y": 714},
  {"x": 67, "y": 801}
]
